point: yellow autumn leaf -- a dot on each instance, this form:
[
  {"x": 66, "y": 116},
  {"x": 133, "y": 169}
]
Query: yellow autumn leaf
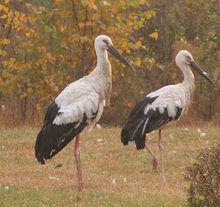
[
  {"x": 182, "y": 39},
  {"x": 62, "y": 29},
  {"x": 23, "y": 95},
  {"x": 124, "y": 44},
  {"x": 56, "y": 88},
  {"x": 137, "y": 62},
  {"x": 4, "y": 41},
  {"x": 83, "y": 39},
  {"x": 5, "y": 16},
  {"x": 58, "y": 1},
  {"x": 138, "y": 44},
  {"x": 3, "y": 8},
  {"x": 150, "y": 61},
  {"x": 154, "y": 35},
  {"x": 29, "y": 90},
  {"x": 9, "y": 63},
  {"x": 30, "y": 32},
  {"x": 2, "y": 52}
]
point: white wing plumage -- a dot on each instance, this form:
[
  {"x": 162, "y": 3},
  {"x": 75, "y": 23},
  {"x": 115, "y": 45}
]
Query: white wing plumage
[
  {"x": 75, "y": 101},
  {"x": 169, "y": 97}
]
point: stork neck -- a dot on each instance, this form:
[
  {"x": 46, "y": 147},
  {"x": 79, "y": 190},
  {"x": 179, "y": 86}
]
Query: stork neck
[
  {"x": 188, "y": 75},
  {"x": 188, "y": 84},
  {"x": 102, "y": 57}
]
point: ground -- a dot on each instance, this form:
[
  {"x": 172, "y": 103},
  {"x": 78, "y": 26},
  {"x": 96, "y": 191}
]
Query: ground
[{"x": 114, "y": 175}]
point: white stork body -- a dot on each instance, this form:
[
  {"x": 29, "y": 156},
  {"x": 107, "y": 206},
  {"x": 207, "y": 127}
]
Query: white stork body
[
  {"x": 79, "y": 106},
  {"x": 161, "y": 107},
  {"x": 86, "y": 96},
  {"x": 172, "y": 97}
]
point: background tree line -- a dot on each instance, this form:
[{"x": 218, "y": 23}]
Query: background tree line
[{"x": 45, "y": 44}]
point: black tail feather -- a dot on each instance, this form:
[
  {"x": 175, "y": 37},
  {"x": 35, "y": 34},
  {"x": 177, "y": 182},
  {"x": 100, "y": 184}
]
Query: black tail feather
[
  {"x": 38, "y": 148},
  {"x": 124, "y": 136},
  {"x": 53, "y": 138},
  {"x": 132, "y": 131}
]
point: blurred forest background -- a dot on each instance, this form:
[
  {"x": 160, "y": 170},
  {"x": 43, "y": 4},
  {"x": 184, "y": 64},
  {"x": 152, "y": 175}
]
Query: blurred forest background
[{"x": 45, "y": 44}]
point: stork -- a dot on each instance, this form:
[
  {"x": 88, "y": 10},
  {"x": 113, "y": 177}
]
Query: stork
[
  {"x": 161, "y": 107},
  {"x": 77, "y": 107}
]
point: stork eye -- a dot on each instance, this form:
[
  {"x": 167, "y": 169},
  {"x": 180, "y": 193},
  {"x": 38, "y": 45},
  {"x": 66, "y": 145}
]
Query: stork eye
[
  {"x": 188, "y": 58},
  {"x": 106, "y": 42}
]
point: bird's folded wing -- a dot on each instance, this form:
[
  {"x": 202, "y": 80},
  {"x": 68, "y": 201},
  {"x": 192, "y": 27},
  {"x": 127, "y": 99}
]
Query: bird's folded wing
[
  {"x": 87, "y": 104},
  {"x": 152, "y": 113},
  {"x": 63, "y": 122}
]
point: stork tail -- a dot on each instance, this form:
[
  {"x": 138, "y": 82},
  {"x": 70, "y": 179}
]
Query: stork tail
[
  {"x": 134, "y": 132},
  {"x": 53, "y": 138}
]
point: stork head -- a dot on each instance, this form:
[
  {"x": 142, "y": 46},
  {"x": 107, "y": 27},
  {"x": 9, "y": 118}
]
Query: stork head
[
  {"x": 103, "y": 42},
  {"x": 184, "y": 59}
]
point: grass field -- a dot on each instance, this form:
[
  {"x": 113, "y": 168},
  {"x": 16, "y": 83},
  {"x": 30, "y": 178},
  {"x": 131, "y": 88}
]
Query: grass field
[{"x": 114, "y": 175}]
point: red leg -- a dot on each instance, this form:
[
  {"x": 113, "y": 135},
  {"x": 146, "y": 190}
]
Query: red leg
[
  {"x": 160, "y": 146},
  {"x": 78, "y": 165},
  {"x": 154, "y": 159}
]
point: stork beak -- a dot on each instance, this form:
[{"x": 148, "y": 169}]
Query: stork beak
[
  {"x": 200, "y": 71},
  {"x": 116, "y": 53}
]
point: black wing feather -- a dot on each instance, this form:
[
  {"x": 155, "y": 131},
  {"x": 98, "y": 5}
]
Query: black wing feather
[
  {"x": 53, "y": 138},
  {"x": 140, "y": 105},
  {"x": 139, "y": 123}
]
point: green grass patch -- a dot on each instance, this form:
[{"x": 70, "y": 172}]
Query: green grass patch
[
  {"x": 22, "y": 196},
  {"x": 114, "y": 175}
]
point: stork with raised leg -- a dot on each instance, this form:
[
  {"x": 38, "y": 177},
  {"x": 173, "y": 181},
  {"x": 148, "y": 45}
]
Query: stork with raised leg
[
  {"x": 162, "y": 106},
  {"x": 78, "y": 106}
]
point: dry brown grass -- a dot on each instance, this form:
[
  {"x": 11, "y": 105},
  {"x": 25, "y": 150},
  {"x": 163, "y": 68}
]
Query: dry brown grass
[{"x": 109, "y": 168}]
